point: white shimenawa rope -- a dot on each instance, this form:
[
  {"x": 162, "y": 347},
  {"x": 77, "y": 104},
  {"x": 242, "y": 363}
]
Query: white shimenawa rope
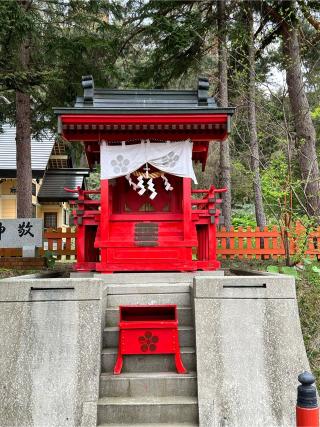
[
  {"x": 141, "y": 186},
  {"x": 151, "y": 188},
  {"x": 166, "y": 182},
  {"x": 131, "y": 183},
  {"x": 150, "y": 184}
]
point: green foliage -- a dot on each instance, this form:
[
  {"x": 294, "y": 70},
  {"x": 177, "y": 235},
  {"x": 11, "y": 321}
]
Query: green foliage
[
  {"x": 308, "y": 292},
  {"x": 93, "y": 182},
  {"x": 243, "y": 216},
  {"x": 173, "y": 39},
  {"x": 283, "y": 192},
  {"x": 290, "y": 271},
  {"x": 241, "y": 177},
  {"x": 274, "y": 181},
  {"x": 94, "y": 179},
  {"x": 273, "y": 269},
  {"x": 316, "y": 113},
  {"x": 67, "y": 40},
  {"x": 311, "y": 269},
  {"x": 308, "y": 267},
  {"x": 50, "y": 259},
  {"x": 301, "y": 238},
  {"x": 316, "y": 269},
  {"x": 245, "y": 220}
]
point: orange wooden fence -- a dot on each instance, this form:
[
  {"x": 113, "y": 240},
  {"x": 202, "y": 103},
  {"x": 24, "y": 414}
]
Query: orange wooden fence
[
  {"x": 240, "y": 243},
  {"x": 267, "y": 243}
]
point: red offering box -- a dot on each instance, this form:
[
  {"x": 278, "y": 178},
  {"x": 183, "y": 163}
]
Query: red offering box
[{"x": 148, "y": 329}]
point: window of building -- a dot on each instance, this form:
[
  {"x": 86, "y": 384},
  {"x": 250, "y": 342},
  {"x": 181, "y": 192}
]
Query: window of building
[
  {"x": 34, "y": 211},
  {"x": 50, "y": 220},
  {"x": 65, "y": 217}
]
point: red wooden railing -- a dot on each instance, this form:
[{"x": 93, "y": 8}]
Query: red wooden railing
[{"x": 236, "y": 243}]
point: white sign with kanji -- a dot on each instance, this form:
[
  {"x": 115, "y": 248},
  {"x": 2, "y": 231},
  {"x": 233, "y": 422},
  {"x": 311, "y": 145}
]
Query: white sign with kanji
[{"x": 17, "y": 233}]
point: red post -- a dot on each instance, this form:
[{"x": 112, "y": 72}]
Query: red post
[
  {"x": 186, "y": 208},
  {"x": 307, "y": 410}
]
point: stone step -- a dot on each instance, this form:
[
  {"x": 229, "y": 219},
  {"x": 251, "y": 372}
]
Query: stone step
[
  {"x": 148, "y": 384},
  {"x": 148, "y": 363},
  {"x": 172, "y": 409},
  {"x": 185, "y": 316},
  {"x": 151, "y": 425},
  {"x": 111, "y": 336},
  {"x": 181, "y": 299},
  {"x": 149, "y": 288},
  {"x": 146, "y": 277}
]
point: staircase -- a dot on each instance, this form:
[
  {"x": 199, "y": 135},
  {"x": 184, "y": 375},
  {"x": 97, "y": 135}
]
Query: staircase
[{"x": 148, "y": 392}]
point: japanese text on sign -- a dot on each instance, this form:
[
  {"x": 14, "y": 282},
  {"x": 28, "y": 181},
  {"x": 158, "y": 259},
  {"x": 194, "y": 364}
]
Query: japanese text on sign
[{"x": 16, "y": 233}]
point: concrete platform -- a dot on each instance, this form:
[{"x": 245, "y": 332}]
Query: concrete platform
[
  {"x": 249, "y": 350},
  {"x": 136, "y": 277},
  {"x": 243, "y": 364}
]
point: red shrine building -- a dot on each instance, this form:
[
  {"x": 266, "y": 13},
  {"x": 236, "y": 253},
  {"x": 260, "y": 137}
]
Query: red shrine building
[{"x": 148, "y": 214}]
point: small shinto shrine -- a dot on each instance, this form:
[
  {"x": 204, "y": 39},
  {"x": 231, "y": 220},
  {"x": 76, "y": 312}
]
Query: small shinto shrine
[{"x": 146, "y": 216}]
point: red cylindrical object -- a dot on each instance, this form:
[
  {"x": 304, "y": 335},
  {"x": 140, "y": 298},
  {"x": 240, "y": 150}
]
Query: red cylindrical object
[
  {"x": 307, "y": 410},
  {"x": 307, "y": 417}
]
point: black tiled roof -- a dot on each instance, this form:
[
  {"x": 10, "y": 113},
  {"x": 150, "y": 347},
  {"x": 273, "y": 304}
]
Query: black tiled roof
[
  {"x": 130, "y": 101},
  {"x": 52, "y": 188}
]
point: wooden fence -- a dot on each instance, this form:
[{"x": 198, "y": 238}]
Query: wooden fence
[
  {"x": 239, "y": 243},
  {"x": 267, "y": 243}
]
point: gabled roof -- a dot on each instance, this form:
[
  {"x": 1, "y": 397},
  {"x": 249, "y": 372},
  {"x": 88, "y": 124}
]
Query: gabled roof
[
  {"x": 55, "y": 180},
  {"x": 115, "y": 115},
  {"x": 118, "y": 99},
  {"x": 146, "y": 101},
  {"x": 40, "y": 152}
]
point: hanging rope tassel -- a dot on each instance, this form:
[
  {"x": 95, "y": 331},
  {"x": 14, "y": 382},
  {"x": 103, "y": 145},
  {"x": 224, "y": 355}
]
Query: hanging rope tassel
[
  {"x": 131, "y": 183},
  {"x": 141, "y": 186},
  {"x": 167, "y": 184},
  {"x": 151, "y": 188}
]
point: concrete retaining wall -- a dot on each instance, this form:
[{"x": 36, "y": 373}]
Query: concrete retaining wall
[
  {"x": 249, "y": 350},
  {"x": 50, "y": 334},
  {"x": 248, "y": 343}
]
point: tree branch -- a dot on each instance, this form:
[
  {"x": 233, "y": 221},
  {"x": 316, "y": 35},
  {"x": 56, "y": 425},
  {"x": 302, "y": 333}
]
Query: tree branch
[{"x": 308, "y": 16}]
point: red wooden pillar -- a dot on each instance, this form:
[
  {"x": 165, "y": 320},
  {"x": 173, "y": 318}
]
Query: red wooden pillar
[
  {"x": 104, "y": 220},
  {"x": 81, "y": 242},
  {"x": 80, "y": 245},
  {"x": 211, "y": 228},
  {"x": 186, "y": 205},
  {"x": 187, "y": 219}
]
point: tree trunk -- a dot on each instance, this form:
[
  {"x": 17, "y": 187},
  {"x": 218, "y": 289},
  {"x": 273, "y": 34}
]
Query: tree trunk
[
  {"x": 254, "y": 144},
  {"x": 225, "y": 173},
  {"x": 23, "y": 134},
  {"x": 305, "y": 131}
]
